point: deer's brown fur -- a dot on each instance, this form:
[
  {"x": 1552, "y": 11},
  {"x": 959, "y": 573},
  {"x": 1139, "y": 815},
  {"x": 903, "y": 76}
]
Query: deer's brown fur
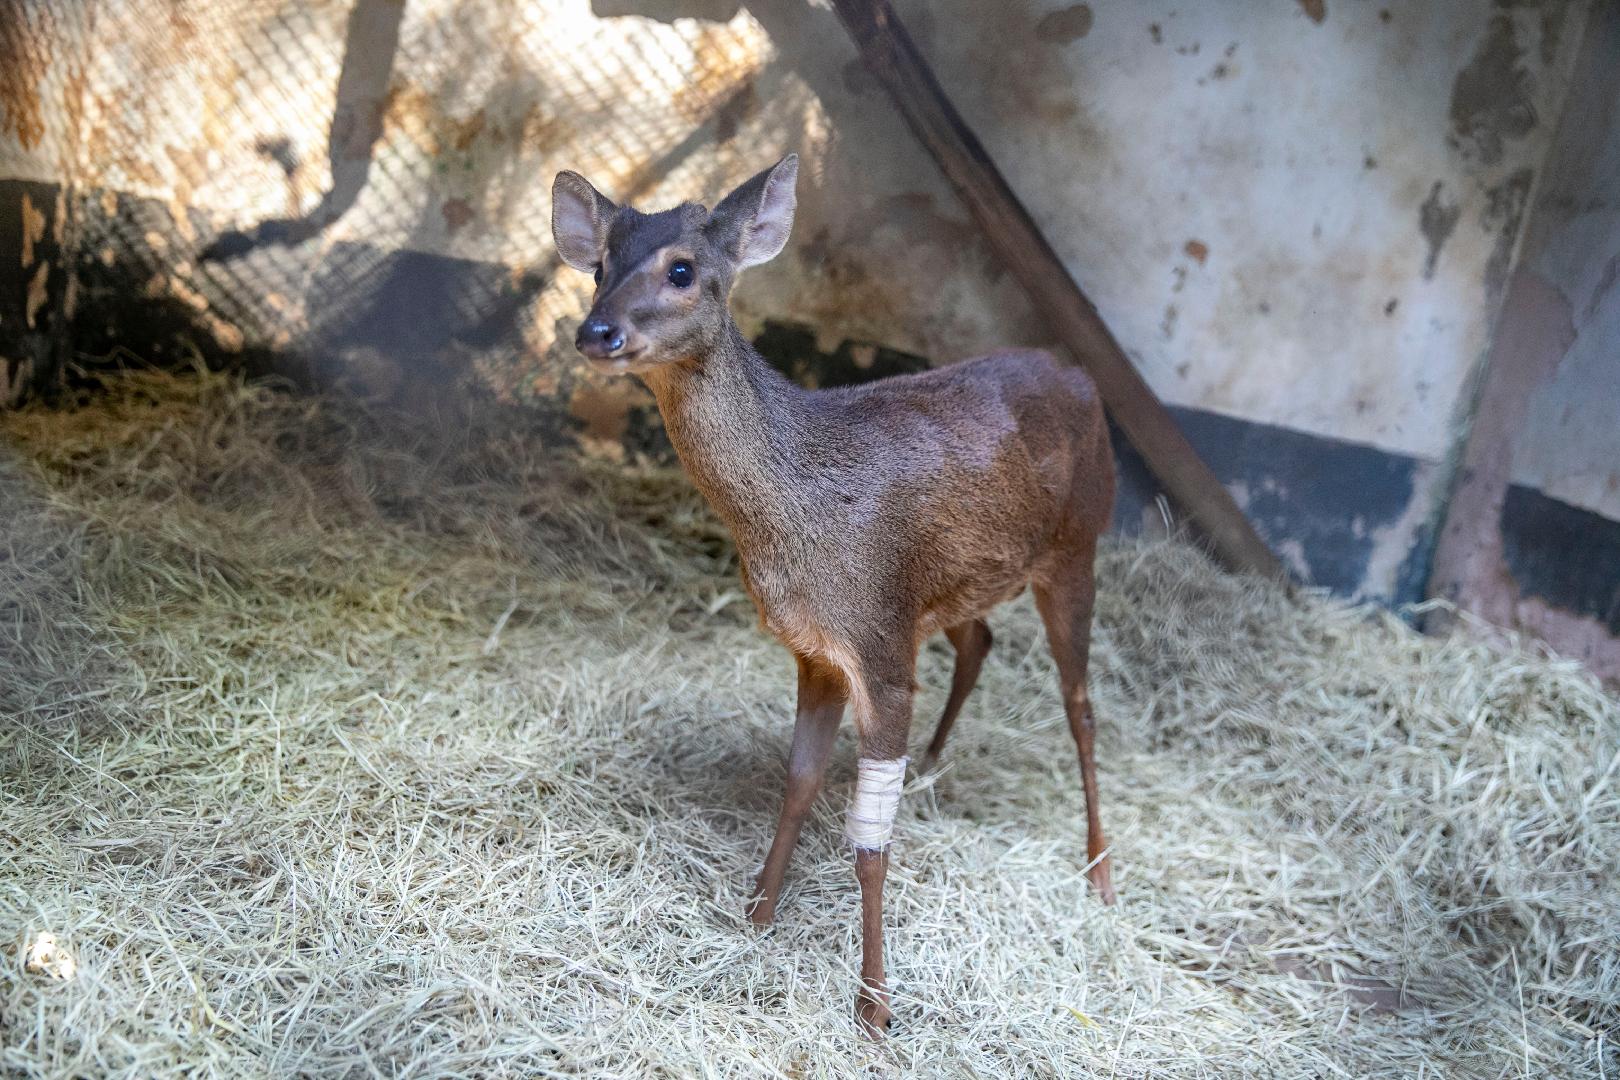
[{"x": 866, "y": 517}]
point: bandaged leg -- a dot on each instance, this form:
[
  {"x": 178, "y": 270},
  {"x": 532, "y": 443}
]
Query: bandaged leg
[
  {"x": 881, "y": 690},
  {"x": 870, "y": 822}
]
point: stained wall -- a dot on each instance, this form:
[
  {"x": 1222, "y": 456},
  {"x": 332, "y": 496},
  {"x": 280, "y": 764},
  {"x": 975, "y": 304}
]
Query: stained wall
[{"x": 1532, "y": 530}]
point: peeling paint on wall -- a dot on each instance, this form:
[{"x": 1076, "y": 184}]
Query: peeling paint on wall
[
  {"x": 1065, "y": 25},
  {"x": 1492, "y": 100},
  {"x": 1436, "y": 219},
  {"x": 1501, "y": 218}
]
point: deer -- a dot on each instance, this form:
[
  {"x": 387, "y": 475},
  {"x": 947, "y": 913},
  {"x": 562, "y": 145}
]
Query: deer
[{"x": 866, "y": 518}]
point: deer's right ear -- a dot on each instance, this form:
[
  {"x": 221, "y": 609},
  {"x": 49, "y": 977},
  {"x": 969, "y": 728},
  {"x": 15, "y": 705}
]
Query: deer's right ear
[{"x": 580, "y": 216}]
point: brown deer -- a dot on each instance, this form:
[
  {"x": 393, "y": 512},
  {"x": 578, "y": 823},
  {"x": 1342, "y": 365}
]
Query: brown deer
[{"x": 867, "y": 517}]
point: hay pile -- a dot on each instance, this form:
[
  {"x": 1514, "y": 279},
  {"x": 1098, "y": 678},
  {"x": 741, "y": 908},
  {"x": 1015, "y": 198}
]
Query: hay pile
[{"x": 370, "y": 753}]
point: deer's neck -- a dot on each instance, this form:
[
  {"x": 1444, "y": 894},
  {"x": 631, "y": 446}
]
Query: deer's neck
[{"x": 737, "y": 423}]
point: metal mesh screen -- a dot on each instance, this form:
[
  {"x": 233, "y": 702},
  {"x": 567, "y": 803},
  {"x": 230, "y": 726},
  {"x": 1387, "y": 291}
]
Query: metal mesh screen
[
  {"x": 44, "y": 53},
  {"x": 367, "y": 185}
]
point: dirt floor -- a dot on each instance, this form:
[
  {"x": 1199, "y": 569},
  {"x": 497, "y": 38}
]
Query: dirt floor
[{"x": 338, "y": 749}]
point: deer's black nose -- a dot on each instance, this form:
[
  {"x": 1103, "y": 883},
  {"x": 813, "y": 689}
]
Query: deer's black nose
[{"x": 602, "y": 333}]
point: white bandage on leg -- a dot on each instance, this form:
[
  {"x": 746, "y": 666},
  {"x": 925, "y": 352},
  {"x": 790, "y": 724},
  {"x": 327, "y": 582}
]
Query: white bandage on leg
[{"x": 877, "y": 798}]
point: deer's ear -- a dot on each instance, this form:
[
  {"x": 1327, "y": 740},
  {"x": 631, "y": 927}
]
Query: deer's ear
[
  {"x": 752, "y": 223},
  {"x": 580, "y": 216}
]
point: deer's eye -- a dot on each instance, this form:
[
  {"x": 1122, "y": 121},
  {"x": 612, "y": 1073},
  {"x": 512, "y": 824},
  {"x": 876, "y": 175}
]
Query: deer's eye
[
  {"x": 598, "y": 273},
  {"x": 681, "y": 274}
]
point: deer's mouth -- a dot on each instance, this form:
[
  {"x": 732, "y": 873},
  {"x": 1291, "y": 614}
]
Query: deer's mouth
[{"x": 618, "y": 361}]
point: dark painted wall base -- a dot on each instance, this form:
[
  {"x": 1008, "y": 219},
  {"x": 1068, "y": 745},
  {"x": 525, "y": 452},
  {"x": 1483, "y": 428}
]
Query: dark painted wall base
[
  {"x": 1563, "y": 554},
  {"x": 1321, "y": 502}
]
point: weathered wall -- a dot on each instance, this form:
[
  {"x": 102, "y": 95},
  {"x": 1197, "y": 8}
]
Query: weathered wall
[
  {"x": 1298, "y": 218},
  {"x": 42, "y": 64},
  {"x": 1569, "y": 447},
  {"x": 1295, "y": 214},
  {"x": 1532, "y": 532}
]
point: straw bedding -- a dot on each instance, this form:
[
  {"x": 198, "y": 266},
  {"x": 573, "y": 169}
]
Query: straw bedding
[{"x": 339, "y": 749}]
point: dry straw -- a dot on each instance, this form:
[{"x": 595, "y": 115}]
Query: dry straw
[{"x": 338, "y": 749}]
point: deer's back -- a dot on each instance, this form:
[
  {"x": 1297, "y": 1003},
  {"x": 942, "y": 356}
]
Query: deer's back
[{"x": 950, "y": 487}]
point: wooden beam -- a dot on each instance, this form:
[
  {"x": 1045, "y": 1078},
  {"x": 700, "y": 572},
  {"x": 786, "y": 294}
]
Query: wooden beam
[{"x": 892, "y": 57}]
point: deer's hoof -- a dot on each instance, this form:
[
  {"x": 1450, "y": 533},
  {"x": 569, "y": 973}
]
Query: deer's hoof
[
  {"x": 1102, "y": 882},
  {"x": 872, "y": 1013},
  {"x": 761, "y": 907},
  {"x": 762, "y": 912}
]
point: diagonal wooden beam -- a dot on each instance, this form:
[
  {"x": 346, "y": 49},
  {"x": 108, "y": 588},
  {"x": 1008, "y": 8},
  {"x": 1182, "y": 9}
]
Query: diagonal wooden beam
[{"x": 892, "y": 57}]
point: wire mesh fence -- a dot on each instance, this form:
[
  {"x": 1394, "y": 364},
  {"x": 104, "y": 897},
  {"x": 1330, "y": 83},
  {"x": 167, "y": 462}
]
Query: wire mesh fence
[{"x": 366, "y": 186}]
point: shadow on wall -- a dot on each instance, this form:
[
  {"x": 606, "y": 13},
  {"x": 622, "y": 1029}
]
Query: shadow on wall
[
  {"x": 369, "y": 48},
  {"x": 425, "y": 268}
]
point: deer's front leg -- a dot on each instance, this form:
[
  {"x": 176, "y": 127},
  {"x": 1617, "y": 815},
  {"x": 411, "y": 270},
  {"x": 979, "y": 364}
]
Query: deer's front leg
[
  {"x": 821, "y": 705},
  {"x": 884, "y": 717}
]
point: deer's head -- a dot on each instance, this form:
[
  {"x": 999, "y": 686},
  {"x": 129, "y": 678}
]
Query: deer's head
[{"x": 663, "y": 279}]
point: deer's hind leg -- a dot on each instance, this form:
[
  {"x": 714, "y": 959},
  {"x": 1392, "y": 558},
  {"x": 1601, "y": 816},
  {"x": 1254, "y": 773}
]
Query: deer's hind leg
[
  {"x": 1065, "y": 601},
  {"x": 971, "y": 640}
]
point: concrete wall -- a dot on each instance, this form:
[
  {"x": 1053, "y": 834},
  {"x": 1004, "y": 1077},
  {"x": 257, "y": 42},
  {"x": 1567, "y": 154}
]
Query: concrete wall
[
  {"x": 1532, "y": 533},
  {"x": 1569, "y": 447},
  {"x": 1299, "y": 218},
  {"x": 1286, "y": 218}
]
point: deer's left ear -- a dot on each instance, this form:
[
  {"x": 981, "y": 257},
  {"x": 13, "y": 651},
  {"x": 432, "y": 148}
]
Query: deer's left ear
[
  {"x": 580, "y": 216},
  {"x": 753, "y": 222}
]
